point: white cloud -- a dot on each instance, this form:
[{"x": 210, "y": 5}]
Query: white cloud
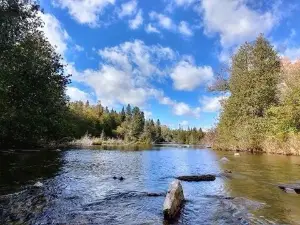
[
  {"x": 147, "y": 114},
  {"x": 162, "y": 20},
  {"x": 178, "y": 108},
  {"x": 293, "y": 53},
  {"x": 137, "y": 21},
  {"x": 185, "y": 29},
  {"x": 234, "y": 21},
  {"x": 56, "y": 34},
  {"x": 76, "y": 94},
  {"x": 151, "y": 29},
  {"x": 212, "y": 104},
  {"x": 84, "y": 11},
  {"x": 128, "y": 8},
  {"x": 184, "y": 2},
  {"x": 79, "y": 48},
  {"x": 126, "y": 72},
  {"x": 181, "y": 109},
  {"x": 187, "y": 76}
]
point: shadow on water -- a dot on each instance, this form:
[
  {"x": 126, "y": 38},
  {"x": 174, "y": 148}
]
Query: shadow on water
[
  {"x": 78, "y": 187},
  {"x": 18, "y": 168}
]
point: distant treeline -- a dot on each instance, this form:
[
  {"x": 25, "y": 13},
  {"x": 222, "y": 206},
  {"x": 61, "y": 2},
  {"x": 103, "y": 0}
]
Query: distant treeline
[
  {"x": 129, "y": 124},
  {"x": 34, "y": 108},
  {"x": 262, "y": 112}
]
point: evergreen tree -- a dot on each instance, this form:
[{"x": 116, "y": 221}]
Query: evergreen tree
[
  {"x": 158, "y": 130},
  {"x": 253, "y": 84},
  {"x": 128, "y": 112},
  {"x": 122, "y": 114},
  {"x": 32, "y": 81}
]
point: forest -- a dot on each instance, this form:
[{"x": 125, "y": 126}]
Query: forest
[{"x": 34, "y": 107}]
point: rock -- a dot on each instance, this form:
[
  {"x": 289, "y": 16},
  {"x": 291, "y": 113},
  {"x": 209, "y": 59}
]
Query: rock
[
  {"x": 198, "y": 178},
  {"x": 153, "y": 194},
  {"x": 227, "y": 171},
  {"x": 58, "y": 150},
  {"x": 290, "y": 188},
  {"x": 173, "y": 201},
  {"x": 121, "y": 178},
  {"x": 224, "y": 160},
  {"x": 237, "y": 154},
  {"x": 115, "y": 178},
  {"x": 38, "y": 184}
]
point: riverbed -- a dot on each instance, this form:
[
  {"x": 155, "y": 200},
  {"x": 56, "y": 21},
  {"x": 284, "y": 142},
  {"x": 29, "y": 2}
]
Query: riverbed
[{"x": 78, "y": 187}]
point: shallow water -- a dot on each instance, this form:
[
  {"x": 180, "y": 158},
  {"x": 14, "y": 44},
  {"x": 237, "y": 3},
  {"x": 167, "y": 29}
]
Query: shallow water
[{"x": 79, "y": 187}]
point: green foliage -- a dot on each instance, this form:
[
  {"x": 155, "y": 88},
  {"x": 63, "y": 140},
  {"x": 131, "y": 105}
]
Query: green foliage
[
  {"x": 253, "y": 86},
  {"x": 32, "y": 80}
]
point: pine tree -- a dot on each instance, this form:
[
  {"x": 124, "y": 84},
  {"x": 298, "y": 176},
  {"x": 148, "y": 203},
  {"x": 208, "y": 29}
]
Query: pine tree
[{"x": 122, "y": 114}]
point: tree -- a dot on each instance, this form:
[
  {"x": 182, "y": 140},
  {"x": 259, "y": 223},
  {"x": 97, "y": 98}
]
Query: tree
[
  {"x": 137, "y": 123},
  {"x": 123, "y": 115},
  {"x": 32, "y": 80},
  {"x": 128, "y": 112},
  {"x": 158, "y": 130},
  {"x": 253, "y": 84}
]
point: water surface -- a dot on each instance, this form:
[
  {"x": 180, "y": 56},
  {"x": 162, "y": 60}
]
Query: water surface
[{"x": 79, "y": 187}]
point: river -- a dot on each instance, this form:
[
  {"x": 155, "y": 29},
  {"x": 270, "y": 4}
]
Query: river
[{"x": 78, "y": 187}]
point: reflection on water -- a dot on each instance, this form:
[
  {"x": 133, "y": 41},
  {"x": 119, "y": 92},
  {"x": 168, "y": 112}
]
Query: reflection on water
[{"x": 79, "y": 187}]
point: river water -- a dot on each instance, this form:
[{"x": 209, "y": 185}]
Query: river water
[{"x": 78, "y": 187}]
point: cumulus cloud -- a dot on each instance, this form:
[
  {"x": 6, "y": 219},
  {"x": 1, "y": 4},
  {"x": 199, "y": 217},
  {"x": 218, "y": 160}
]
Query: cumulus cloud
[
  {"x": 184, "y": 29},
  {"x": 212, "y": 104},
  {"x": 137, "y": 21},
  {"x": 84, "y": 11},
  {"x": 55, "y": 33},
  {"x": 187, "y": 76},
  {"x": 128, "y": 8},
  {"x": 182, "y": 109},
  {"x": 126, "y": 72},
  {"x": 151, "y": 29},
  {"x": 76, "y": 94},
  {"x": 234, "y": 21},
  {"x": 179, "y": 108},
  {"x": 162, "y": 20}
]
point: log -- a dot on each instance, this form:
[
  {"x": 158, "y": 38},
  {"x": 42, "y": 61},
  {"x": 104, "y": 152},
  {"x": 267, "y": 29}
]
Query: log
[
  {"x": 290, "y": 188},
  {"x": 197, "y": 178},
  {"x": 173, "y": 201}
]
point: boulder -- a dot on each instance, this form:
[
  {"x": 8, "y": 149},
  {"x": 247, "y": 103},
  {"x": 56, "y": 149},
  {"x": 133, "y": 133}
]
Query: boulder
[
  {"x": 173, "y": 201},
  {"x": 224, "y": 160},
  {"x": 207, "y": 177},
  {"x": 38, "y": 184},
  {"x": 290, "y": 188}
]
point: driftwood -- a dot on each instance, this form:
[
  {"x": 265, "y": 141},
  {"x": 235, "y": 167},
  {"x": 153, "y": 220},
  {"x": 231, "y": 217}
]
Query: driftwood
[{"x": 197, "y": 178}]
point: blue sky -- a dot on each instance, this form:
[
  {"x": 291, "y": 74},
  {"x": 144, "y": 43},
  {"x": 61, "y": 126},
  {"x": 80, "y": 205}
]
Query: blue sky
[{"x": 161, "y": 55}]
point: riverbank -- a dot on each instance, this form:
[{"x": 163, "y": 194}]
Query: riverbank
[{"x": 289, "y": 146}]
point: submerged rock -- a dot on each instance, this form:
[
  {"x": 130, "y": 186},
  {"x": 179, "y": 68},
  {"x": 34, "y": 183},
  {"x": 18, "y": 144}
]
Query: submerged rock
[
  {"x": 149, "y": 194},
  {"x": 224, "y": 160},
  {"x": 173, "y": 201},
  {"x": 207, "y": 177},
  {"x": 38, "y": 184},
  {"x": 290, "y": 188},
  {"x": 237, "y": 154}
]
